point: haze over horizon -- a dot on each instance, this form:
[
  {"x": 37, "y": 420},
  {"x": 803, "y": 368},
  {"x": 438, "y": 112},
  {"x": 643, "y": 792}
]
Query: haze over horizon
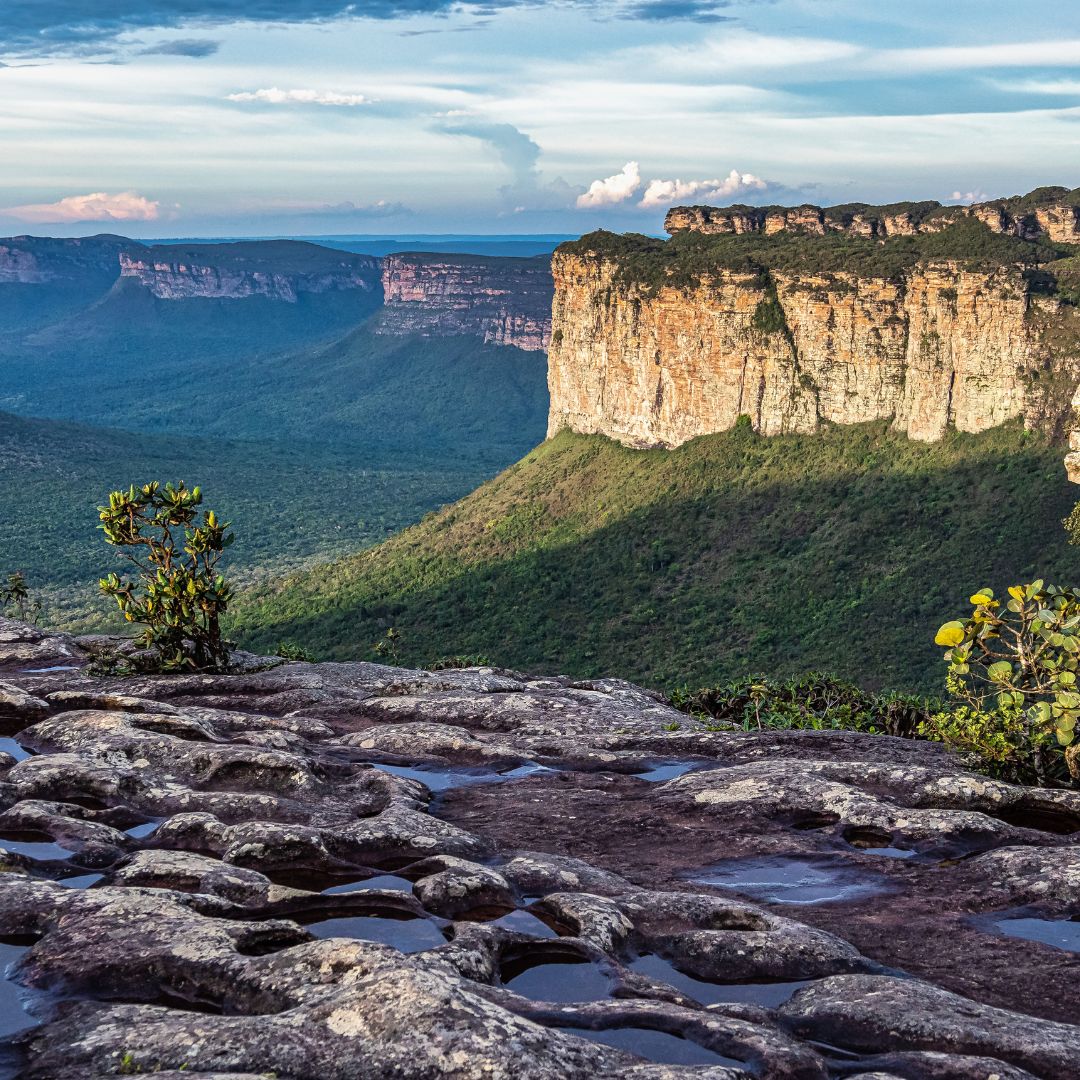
[{"x": 194, "y": 118}]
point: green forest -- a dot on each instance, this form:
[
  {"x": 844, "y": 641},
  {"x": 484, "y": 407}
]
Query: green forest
[{"x": 734, "y": 553}]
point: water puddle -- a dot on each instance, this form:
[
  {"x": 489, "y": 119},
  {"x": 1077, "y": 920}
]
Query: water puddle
[
  {"x": 891, "y": 852},
  {"x": 667, "y": 770},
  {"x": 81, "y": 881},
  {"x": 46, "y": 670},
  {"x": 767, "y": 995},
  {"x": 782, "y": 880},
  {"x": 405, "y": 935},
  {"x": 13, "y": 1014},
  {"x": 525, "y": 922},
  {"x": 657, "y": 1046},
  {"x": 555, "y": 977},
  {"x": 17, "y": 751},
  {"x": 139, "y": 832},
  {"x": 438, "y": 780},
  {"x": 379, "y": 881},
  {"x": 33, "y": 845},
  {"x": 1061, "y": 933}
]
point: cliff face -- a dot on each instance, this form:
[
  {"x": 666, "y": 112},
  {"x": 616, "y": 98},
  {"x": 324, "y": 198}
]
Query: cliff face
[
  {"x": 279, "y": 270},
  {"x": 1050, "y": 213},
  {"x": 36, "y": 260},
  {"x": 938, "y": 345},
  {"x": 504, "y": 301}
]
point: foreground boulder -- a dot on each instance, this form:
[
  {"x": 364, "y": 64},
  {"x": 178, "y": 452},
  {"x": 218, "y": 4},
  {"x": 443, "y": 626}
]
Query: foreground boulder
[{"x": 343, "y": 870}]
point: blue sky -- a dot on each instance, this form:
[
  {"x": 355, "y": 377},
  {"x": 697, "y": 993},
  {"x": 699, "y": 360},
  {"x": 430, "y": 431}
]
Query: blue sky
[{"x": 259, "y": 117}]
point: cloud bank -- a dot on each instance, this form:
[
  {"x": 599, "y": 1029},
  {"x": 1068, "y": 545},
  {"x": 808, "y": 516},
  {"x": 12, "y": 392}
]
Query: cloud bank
[
  {"x": 98, "y": 206},
  {"x": 273, "y": 96}
]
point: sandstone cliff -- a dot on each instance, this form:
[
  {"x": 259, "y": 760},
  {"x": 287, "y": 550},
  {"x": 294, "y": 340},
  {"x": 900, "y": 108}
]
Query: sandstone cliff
[
  {"x": 657, "y": 344},
  {"x": 505, "y": 301},
  {"x": 1052, "y": 212},
  {"x": 280, "y": 270}
]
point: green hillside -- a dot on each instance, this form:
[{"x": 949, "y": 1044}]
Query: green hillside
[
  {"x": 734, "y": 553},
  {"x": 290, "y": 504}
]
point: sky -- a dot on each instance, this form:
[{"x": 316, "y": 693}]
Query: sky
[{"x": 315, "y": 117}]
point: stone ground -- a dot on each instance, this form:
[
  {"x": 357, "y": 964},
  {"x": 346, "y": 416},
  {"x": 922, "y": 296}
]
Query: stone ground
[{"x": 356, "y": 871}]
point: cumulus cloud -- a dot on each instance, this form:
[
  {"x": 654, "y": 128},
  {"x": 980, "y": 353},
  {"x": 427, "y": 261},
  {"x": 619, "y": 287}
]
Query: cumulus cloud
[
  {"x": 196, "y": 48},
  {"x": 613, "y": 189},
  {"x": 273, "y": 96},
  {"x": 99, "y": 206},
  {"x": 661, "y": 193}
]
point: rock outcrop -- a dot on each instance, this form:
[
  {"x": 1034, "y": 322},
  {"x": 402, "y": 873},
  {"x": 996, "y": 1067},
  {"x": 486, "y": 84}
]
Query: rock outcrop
[
  {"x": 340, "y": 870},
  {"x": 1053, "y": 213},
  {"x": 654, "y": 357},
  {"x": 504, "y": 301},
  {"x": 280, "y": 270}
]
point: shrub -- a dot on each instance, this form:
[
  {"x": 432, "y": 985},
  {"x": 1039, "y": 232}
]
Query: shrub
[
  {"x": 1013, "y": 666},
  {"x": 15, "y": 597},
  {"x": 814, "y": 701},
  {"x": 178, "y": 596},
  {"x": 290, "y": 650},
  {"x": 449, "y": 663}
]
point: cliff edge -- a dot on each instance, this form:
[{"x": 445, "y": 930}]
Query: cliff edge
[{"x": 931, "y": 316}]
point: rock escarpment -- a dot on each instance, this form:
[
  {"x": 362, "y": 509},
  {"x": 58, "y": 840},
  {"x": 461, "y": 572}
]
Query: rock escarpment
[
  {"x": 505, "y": 301},
  {"x": 325, "y": 871},
  {"x": 655, "y": 343},
  {"x": 1052, "y": 212},
  {"x": 280, "y": 270},
  {"x": 40, "y": 260}
]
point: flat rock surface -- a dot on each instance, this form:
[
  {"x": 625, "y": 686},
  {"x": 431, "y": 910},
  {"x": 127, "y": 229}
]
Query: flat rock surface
[{"x": 316, "y": 871}]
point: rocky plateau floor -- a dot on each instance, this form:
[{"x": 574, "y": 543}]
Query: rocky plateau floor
[{"x": 334, "y": 871}]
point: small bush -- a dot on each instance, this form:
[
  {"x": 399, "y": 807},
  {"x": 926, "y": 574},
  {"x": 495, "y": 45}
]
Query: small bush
[
  {"x": 814, "y": 701},
  {"x": 448, "y": 663},
  {"x": 178, "y": 596},
  {"x": 15, "y": 598},
  {"x": 1014, "y": 668},
  {"x": 290, "y": 650}
]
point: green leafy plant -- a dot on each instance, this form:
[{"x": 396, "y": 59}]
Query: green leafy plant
[
  {"x": 290, "y": 650},
  {"x": 15, "y": 596},
  {"x": 1014, "y": 664},
  {"x": 447, "y": 663},
  {"x": 814, "y": 701},
  {"x": 178, "y": 596},
  {"x": 386, "y": 648}
]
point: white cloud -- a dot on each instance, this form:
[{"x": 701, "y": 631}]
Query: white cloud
[
  {"x": 1042, "y": 86},
  {"x": 273, "y": 96},
  {"x": 660, "y": 193},
  {"x": 99, "y": 206},
  {"x": 1060, "y": 53},
  {"x": 612, "y": 190},
  {"x": 969, "y": 197}
]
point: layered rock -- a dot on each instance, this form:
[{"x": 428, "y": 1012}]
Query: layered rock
[
  {"x": 505, "y": 301},
  {"x": 280, "y": 270},
  {"x": 327, "y": 871},
  {"x": 1053, "y": 213},
  {"x": 937, "y": 346}
]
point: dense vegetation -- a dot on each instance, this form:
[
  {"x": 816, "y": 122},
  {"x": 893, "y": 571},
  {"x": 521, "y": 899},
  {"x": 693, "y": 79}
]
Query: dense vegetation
[
  {"x": 685, "y": 258},
  {"x": 732, "y": 554},
  {"x": 346, "y": 498}
]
